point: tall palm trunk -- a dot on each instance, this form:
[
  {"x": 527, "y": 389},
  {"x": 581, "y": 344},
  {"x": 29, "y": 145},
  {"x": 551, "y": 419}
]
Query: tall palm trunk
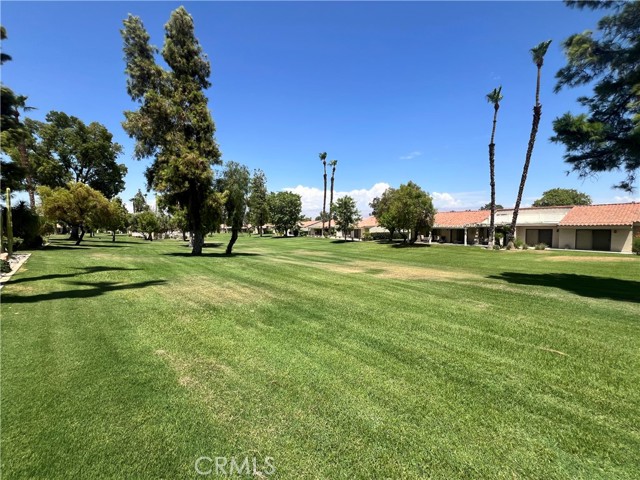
[
  {"x": 323, "y": 159},
  {"x": 333, "y": 174},
  {"x": 24, "y": 160},
  {"x": 538, "y": 57},
  {"x": 492, "y": 178}
]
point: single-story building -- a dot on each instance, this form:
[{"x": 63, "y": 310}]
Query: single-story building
[
  {"x": 609, "y": 227},
  {"x": 313, "y": 228},
  {"x": 465, "y": 228},
  {"x": 368, "y": 225}
]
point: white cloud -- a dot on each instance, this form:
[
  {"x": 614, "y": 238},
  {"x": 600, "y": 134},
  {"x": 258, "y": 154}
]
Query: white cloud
[
  {"x": 625, "y": 199},
  {"x": 411, "y": 155},
  {"x": 312, "y": 198},
  {"x": 459, "y": 200}
]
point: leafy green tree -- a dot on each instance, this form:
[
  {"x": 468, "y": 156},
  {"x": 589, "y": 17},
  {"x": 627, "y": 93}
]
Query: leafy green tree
[
  {"x": 117, "y": 217},
  {"x": 147, "y": 223},
  {"x": 405, "y": 209},
  {"x": 68, "y": 150},
  {"x": 76, "y": 204},
  {"x": 173, "y": 124},
  {"x": 607, "y": 137},
  {"x": 562, "y": 196},
  {"x": 18, "y": 143},
  {"x": 235, "y": 183},
  {"x": 381, "y": 209},
  {"x": 323, "y": 159},
  {"x": 346, "y": 214},
  {"x": 488, "y": 207},
  {"x": 285, "y": 208},
  {"x": 258, "y": 200},
  {"x": 537, "y": 53},
  {"x": 139, "y": 202},
  {"x": 333, "y": 164},
  {"x": 494, "y": 97}
]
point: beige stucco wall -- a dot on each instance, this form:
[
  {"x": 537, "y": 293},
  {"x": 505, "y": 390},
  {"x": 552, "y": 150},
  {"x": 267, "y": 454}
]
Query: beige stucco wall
[
  {"x": 621, "y": 238},
  {"x": 567, "y": 238},
  {"x": 521, "y": 233}
]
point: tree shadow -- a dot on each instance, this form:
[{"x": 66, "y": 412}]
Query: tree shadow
[
  {"x": 409, "y": 245},
  {"x": 55, "y": 276},
  {"x": 207, "y": 245},
  {"x": 344, "y": 241},
  {"x": 96, "y": 289},
  {"x": 212, "y": 254},
  {"x": 583, "y": 285},
  {"x": 281, "y": 236}
]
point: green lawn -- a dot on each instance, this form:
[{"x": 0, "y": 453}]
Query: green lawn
[{"x": 338, "y": 360}]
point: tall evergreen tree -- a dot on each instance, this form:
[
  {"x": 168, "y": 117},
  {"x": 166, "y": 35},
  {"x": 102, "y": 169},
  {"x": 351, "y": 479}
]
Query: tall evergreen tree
[
  {"x": 235, "y": 184},
  {"x": 173, "y": 123},
  {"x": 494, "y": 97},
  {"x": 607, "y": 136},
  {"x": 537, "y": 53},
  {"x": 258, "y": 200}
]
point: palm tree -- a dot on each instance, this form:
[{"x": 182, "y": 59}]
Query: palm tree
[
  {"x": 538, "y": 52},
  {"x": 323, "y": 159},
  {"x": 333, "y": 164},
  {"x": 494, "y": 97},
  {"x": 22, "y": 150}
]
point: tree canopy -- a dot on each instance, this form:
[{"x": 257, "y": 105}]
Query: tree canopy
[
  {"x": 405, "y": 209},
  {"x": 235, "y": 184},
  {"x": 562, "y": 196},
  {"x": 285, "y": 208},
  {"x": 173, "y": 124},
  {"x": 607, "y": 136},
  {"x": 346, "y": 214},
  {"x": 65, "y": 149},
  {"x": 487, "y": 206},
  {"x": 76, "y": 204},
  {"x": 258, "y": 200}
]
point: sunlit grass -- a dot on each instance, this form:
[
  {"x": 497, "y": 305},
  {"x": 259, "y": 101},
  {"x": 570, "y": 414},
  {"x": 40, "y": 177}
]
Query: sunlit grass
[{"x": 339, "y": 360}]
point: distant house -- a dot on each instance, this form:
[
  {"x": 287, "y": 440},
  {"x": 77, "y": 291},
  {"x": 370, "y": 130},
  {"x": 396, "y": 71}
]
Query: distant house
[
  {"x": 609, "y": 227},
  {"x": 313, "y": 228},
  {"x": 368, "y": 225},
  {"x": 460, "y": 227}
]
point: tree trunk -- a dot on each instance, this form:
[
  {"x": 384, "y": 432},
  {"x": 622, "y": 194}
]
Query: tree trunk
[
  {"x": 260, "y": 230},
  {"x": 198, "y": 242},
  {"x": 113, "y": 236},
  {"x": 234, "y": 237},
  {"x": 81, "y": 236},
  {"x": 537, "y": 113},
  {"x": 324, "y": 200},
  {"x": 184, "y": 236},
  {"x": 331, "y": 202},
  {"x": 492, "y": 179},
  {"x": 73, "y": 232},
  {"x": 391, "y": 232},
  {"x": 150, "y": 237}
]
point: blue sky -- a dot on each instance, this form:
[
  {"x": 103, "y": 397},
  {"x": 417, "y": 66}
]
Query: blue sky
[{"x": 395, "y": 91}]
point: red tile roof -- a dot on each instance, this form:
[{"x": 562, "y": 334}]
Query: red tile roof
[
  {"x": 368, "y": 222},
  {"x": 598, "y": 215},
  {"x": 460, "y": 219},
  {"x": 311, "y": 223}
]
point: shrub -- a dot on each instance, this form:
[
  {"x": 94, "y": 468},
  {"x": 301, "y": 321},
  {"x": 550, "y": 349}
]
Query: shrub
[
  {"x": 518, "y": 243},
  {"x": 496, "y": 247},
  {"x": 4, "y": 266},
  {"x": 385, "y": 236},
  {"x": 635, "y": 248},
  {"x": 541, "y": 246},
  {"x": 367, "y": 236}
]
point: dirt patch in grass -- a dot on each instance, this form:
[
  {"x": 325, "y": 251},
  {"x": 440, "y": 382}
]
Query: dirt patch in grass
[
  {"x": 188, "y": 371},
  {"x": 584, "y": 258},
  {"x": 401, "y": 272},
  {"x": 201, "y": 289}
]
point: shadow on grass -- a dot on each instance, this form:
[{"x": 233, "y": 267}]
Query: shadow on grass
[
  {"x": 71, "y": 245},
  {"x": 408, "y": 245},
  {"x": 85, "y": 271},
  {"x": 216, "y": 254},
  {"x": 583, "y": 285},
  {"x": 343, "y": 241},
  {"x": 95, "y": 290},
  {"x": 280, "y": 236},
  {"x": 207, "y": 245}
]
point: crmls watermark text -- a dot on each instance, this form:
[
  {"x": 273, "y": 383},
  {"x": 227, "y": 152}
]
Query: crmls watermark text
[{"x": 234, "y": 466}]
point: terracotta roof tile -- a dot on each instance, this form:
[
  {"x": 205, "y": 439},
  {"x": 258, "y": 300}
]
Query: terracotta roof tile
[
  {"x": 598, "y": 215},
  {"x": 460, "y": 219},
  {"x": 368, "y": 222}
]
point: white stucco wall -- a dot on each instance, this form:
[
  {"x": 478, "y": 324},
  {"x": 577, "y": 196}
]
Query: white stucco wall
[
  {"x": 621, "y": 239},
  {"x": 521, "y": 233}
]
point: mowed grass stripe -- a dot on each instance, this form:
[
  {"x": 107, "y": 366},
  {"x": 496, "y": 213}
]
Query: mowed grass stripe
[{"x": 322, "y": 355}]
